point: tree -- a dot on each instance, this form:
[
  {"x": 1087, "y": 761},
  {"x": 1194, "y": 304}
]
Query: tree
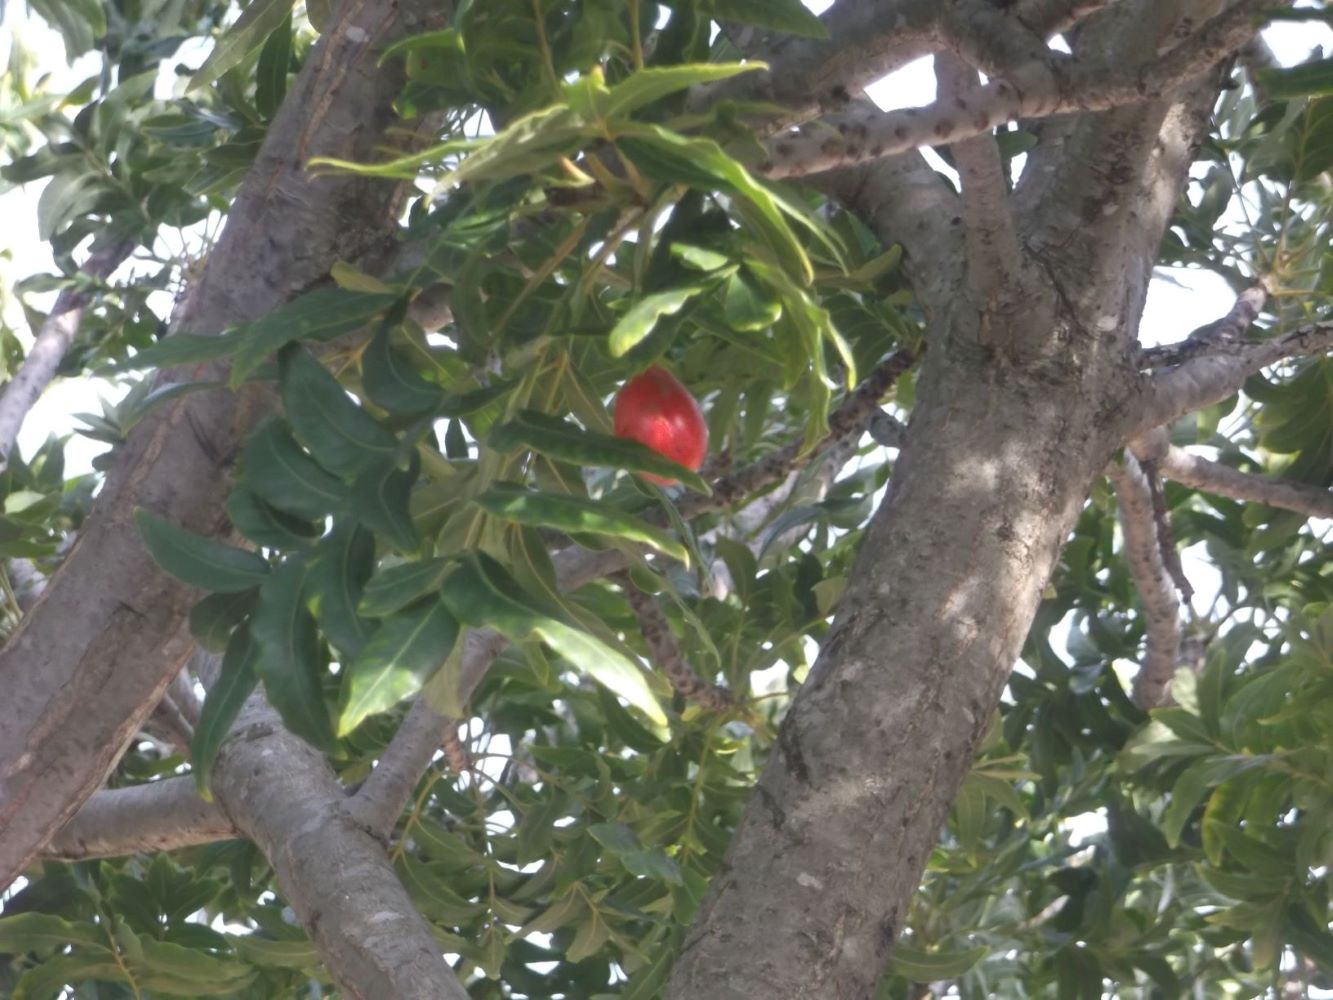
[{"x": 487, "y": 712}]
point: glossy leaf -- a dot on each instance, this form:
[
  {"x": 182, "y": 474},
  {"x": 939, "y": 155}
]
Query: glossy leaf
[
  {"x": 235, "y": 681},
  {"x": 482, "y": 594},
  {"x": 401, "y": 655},
  {"x": 392, "y": 589},
  {"x": 341, "y": 436},
  {"x": 339, "y": 569},
  {"x": 255, "y": 24},
  {"x": 199, "y": 561},
  {"x": 566, "y": 442},
  {"x": 290, "y": 661},
  {"x": 285, "y": 476},
  {"x": 572, "y": 514}
]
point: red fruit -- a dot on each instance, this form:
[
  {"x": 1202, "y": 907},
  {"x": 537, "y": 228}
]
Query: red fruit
[{"x": 656, "y": 410}]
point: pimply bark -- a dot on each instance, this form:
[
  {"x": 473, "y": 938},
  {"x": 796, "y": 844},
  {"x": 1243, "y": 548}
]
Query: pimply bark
[
  {"x": 99, "y": 649},
  {"x": 332, "y": 869},
  {"x": 997, "y": 463},
  {"x": 1017, "y": 412}
]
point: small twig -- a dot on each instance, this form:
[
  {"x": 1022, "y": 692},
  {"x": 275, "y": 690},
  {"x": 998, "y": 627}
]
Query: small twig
[
  {"x": 52, "y": 342},
  {"x": 1213, "y": 477},
  {"x": 1229, "y": 329},
  {"x": 664, "y": 652},
  {"x": 1166, "y": 540},
  {"x": 1161, "y": 608}
]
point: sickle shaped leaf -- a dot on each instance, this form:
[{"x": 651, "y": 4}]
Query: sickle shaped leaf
[
  {"x": 400, "y": 656},
  {"x": 341, "y": 436},
  {"x": 573, "y": 514},
  {"x": 198, "y": 561},
  {"x": 235, "y": 681},
  {"x": 482, "y": 593},
  {"x": 565, "y": 442}
]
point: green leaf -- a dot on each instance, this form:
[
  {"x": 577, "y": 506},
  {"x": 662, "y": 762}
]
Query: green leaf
[
  {"x": 573, "y": 515},
  {"x": 181, "y": 349},
  {"x": 270, "y": 954},
  {"x": 790, "y": 16},
  {"x": 1308, "y": 79},
  {"x": 381, "y": 498},
  {"x": 213, "y": 618},
  {"x": 321, "y": 314},
  {"x": 290, "y": 662},
  {"x": 481, "y": 593},
  {"x": 255, "y": 24},
  {"x": 400, "y": 656},
  {"x": 393, "y": 589},
  {"x": 703, "y": 164},
  {"x": 747, "y": 307},
  {"x": 565, "y": 442},
  {"x": 164, "y": 966},
  {"x": 25, "y": 932},
  {"x": 922, "y": 966},
  {"x": 645, "y": 86},
  {"x": 265, "y": 525},
  {"x": 341, "y": 436},
  {"x": 271, "y": 72},
  {"x": 199, "y": 561},
  {"x": 49, "y": 979},
  {"x": 391, "y": 382},
  {"x": 339, "y": 569},
  {"x": 643, "y": 315},
  {"x": 235, "y": 681},
  {"x": 285, "y": 476}
]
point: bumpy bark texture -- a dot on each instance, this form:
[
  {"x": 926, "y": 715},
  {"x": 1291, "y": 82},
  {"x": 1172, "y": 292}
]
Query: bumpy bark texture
[
  {"x": 333, "y": 871},
  {"x": 95, "y": 655},
  {"x": 1026, "y": 394}
]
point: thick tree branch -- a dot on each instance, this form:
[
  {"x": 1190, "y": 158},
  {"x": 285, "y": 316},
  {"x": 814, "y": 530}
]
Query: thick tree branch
[
  {"x": 1051, "y": 17},
  {"x": 866, "y": 40},
  {"x": 1211, "y": 377},
  {"x": 52, "y": 342},
  {"x": 107, "y": 637},
  {"x": 282, "y": 794},
  {"x": 386, "y": 791},
  {"x": 162, "y": 815},
  {"x": 1037, "y": 89},
  {"x": 993, "y": 253},
  {"x": 1157, "y": 592},
  {"x": 1213, "y": 477}
]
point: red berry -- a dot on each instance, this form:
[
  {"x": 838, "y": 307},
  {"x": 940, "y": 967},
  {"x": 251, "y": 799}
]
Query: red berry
[{"x": 656, "y": 410}]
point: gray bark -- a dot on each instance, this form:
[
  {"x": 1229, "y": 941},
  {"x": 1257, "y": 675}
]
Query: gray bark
[
  {"x": 107, "y": 638},
  {"x": 332, "y": 869},
  {"x": 1022, "y": 402}
]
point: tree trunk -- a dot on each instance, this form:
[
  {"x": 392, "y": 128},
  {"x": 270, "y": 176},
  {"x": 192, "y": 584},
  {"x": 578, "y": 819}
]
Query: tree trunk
[
  {"x": 997, "y": 464},
  {"x": 1029, "y": 387}
]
